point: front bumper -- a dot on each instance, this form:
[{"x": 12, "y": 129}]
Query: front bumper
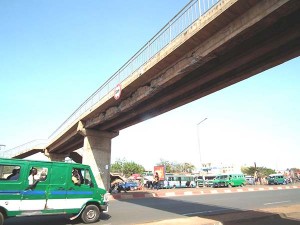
[{"x": 104, "y": 208}]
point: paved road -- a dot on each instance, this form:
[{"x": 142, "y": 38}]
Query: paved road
[{"x": 231, "y": 208}]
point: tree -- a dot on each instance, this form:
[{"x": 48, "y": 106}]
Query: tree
[
  {"x": 187, "y": 167},
  {"x": 262, "y": 171},
  {"x": 167, "y": 164},
  {"x": 126, "y": 168},
  {"x": 117, "y": 167},
  {"x": 131, "y": 168},
  {"x": 173, "y": 167}
]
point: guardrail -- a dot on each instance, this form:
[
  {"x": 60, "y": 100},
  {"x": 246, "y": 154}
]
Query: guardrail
[{"x": 177, "y": 25}]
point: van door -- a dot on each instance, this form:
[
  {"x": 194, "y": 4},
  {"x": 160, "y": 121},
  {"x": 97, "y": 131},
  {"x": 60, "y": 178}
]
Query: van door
[
  {"x": 80, "y": 192},
  {"x": 11, "y": 183},
  {"x": 34, "y": 195},
  {"x": 57, "y": 189}
]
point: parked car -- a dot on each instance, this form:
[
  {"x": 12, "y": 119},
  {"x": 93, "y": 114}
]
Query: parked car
[
  {"x": 250, "y": 180},
  {"x": 130, "y": 185}
]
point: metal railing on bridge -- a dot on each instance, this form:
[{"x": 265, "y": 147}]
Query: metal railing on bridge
[
  {"x": 181, "y": 22},
  {"x": 32, "y": 145}
]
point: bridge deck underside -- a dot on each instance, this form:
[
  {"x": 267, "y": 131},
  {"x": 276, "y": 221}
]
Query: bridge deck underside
[{"x": 192, "y": 70}]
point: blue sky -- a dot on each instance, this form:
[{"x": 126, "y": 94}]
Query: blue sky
[{"x": 55, "y": 54}]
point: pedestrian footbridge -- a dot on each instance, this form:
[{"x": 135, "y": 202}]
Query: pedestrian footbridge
[{"x": 207, "y": 46}]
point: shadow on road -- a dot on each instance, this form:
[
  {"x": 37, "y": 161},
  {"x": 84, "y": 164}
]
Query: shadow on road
[
  {"x": 49, "y": 220},
  {"x": 180, "y": 206},
  {"x": 225, "y": 215}
]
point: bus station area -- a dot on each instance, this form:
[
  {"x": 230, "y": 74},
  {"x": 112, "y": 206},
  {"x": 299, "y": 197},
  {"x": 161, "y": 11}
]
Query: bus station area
[
  {"x": 159, "y": 180},
  {"x": 164, "y": 193}
]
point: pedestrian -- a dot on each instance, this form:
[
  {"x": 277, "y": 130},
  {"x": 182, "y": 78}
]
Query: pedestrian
[
  {"x": 255, "y": 177},
  {"x": 156, "y": 181}
]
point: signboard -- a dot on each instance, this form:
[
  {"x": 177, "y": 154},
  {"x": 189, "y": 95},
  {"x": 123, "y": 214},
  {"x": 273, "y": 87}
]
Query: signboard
[
  {"x": 161, "y": 170},
  {"x": 118, "y": 91}
]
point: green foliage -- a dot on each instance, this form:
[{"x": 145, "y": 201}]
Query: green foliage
[
  {"x": 172, "y": 167},
  {"x": 262, "y": 171},
  {"x": 117, "y": 167},
  {"x": 167, "y": 164},
  {"x": 126, "y": 168}
]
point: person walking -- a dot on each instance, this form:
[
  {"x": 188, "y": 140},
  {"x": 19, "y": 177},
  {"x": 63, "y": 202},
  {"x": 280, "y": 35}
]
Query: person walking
[{"x": 156, "y": 181}]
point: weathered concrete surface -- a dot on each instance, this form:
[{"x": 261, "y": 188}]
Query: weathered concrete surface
[{"x": 234, "y": 41}]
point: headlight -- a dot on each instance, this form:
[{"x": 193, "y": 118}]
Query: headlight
[{"x": 106, "y": 197}]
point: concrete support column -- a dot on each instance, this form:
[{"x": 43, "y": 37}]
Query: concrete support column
[
  {"x": 55, "y": 156},
  {"x": 97, "y": 154}
]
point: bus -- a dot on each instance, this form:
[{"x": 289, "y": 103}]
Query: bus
[{"x": 179, "y": 181}]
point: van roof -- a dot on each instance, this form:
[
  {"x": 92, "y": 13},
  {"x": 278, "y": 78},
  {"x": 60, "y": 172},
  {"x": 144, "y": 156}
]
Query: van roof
[
  {"x": 276, "y": 174},
  {"x": 37, "y": 161}
]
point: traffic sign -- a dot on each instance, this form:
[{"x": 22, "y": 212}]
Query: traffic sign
[{"x": 118, "y": 91}]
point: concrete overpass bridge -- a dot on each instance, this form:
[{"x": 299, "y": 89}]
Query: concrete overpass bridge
[{"x": 207, "y": 46}]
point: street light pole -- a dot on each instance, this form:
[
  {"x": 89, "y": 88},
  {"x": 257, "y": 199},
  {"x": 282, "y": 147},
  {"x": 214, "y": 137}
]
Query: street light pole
[{"x": 198, "y": 137}]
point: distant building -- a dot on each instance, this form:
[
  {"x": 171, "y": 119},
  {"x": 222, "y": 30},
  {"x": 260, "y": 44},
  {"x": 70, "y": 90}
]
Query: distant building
[{"x": 217, "y": 168}]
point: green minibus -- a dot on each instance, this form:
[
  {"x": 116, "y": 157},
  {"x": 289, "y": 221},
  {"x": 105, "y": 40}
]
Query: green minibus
[
  {"x": 229, "y": 180},
  {"x": 30, "y": 188}
]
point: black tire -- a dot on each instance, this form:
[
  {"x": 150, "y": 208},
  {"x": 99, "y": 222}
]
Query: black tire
[
  {"x": 90, "y": 214},
  {"x": 1, "y": 218}
]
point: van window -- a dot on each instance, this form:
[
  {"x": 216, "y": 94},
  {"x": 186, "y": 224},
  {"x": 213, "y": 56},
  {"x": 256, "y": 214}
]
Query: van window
[
  {"x": 86, "y": 176},
  {"x": 42, "y": 173},
  {"x": 9, "y": 172},
  {"x": 77, "y": 177},
  {"x": 170, "y": 178}
]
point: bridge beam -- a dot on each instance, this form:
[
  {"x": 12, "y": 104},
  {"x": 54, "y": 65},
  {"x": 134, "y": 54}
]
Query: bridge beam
[
  {"x": 55, "y": 156},
  {"x": 97, "y": 154}
]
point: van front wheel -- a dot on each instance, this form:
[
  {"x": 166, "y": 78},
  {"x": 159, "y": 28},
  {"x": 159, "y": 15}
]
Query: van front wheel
[
  {"x": 90, "y": 214},
  {"x": 1, "y": 218}
]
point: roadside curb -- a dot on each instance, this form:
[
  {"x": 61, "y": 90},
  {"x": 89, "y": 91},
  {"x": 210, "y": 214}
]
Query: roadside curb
[{"x": 180, "y": 192}]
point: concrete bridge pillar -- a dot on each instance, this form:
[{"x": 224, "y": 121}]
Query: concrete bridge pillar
[
  {"x": 55, "y": 156},
  {"x": 97, "y": 154}
]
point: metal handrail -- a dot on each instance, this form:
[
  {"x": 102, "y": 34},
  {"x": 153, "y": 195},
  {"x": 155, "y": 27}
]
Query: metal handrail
[
  {"x": 38, "y": 143},
  {"x": 177, "y": 25}
]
